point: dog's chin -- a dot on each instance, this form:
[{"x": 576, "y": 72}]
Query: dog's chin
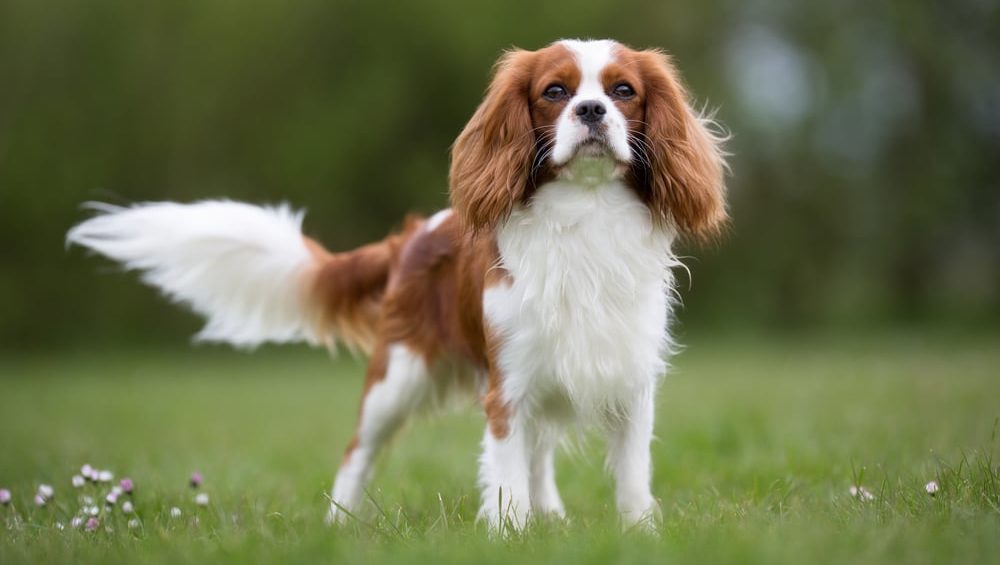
[
  {"x": 592, "y": 148},
  {"x": 592, "y": 160}
]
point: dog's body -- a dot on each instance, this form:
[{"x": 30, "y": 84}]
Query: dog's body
[{"x": 547, "y": 284}]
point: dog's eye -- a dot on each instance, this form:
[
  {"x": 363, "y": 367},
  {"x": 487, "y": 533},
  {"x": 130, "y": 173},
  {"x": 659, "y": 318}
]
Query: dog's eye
[
  {"x": 555, "y": 92},
  {"x": 623, "y": 91}
]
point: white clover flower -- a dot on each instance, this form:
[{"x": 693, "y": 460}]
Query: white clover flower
[
  {"x": 46, "y": 491},
  {"x": 87, "y": 500},
  {"x": 201, "y": 499},
  {"x": 932, "y": 488},
  {"x": 39, "y": 500},
  {"x": 175, "y": 512},
  {"x": 117, "y": 490},
  {"x": 78, "y": 481},
  {"x": 105, "y": 476},
  {"x": 127, "y": 507},
  {"x": 60, "y": 526},
  {"x": 111, "y": 499},
  {"x": 133, "y": 523},
  {"x": 861, "y": 493},
  {"x": 92, "y": 510},
  {"x": 76, "y": 522},
  {"x": 4, "y": 496},
  {"x": 86, "y": 470}
]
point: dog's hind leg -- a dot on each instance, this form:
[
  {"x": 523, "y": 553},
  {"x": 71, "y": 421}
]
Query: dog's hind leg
[{"x": 396, "y": 385}]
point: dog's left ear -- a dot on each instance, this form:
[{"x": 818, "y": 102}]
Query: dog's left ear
[
  {"x": 491, "y": 159},
  {"x": 686, "y": 162}
]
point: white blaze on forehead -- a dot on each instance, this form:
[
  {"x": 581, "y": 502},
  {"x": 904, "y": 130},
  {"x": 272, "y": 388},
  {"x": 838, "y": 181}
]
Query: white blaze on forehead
[{"x": 591, "y": 57}]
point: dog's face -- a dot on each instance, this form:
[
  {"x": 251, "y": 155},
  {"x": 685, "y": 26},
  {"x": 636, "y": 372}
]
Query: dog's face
[
  {"x": 582, "y": 103},
  {"x": 589, "y": 99}
]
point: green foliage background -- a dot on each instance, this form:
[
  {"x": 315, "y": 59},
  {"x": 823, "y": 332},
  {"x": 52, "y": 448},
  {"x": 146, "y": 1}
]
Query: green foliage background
[{"x": 865, "y": 150}]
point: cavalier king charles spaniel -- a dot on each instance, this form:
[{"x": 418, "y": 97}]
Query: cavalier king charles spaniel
[{"x": 544, "y": 291}]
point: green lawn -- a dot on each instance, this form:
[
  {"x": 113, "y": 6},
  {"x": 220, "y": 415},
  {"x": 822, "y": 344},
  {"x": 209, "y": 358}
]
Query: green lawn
[{"x": 759, "y": 442}]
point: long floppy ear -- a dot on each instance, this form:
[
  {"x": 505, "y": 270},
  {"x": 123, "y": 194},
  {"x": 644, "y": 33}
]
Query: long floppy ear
[
  {"x": 491, "y": 159},
  {"x": 686, "y": 166}
]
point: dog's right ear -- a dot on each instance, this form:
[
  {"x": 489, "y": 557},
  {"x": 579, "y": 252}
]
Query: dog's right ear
[{"x": 491, "y": 159}]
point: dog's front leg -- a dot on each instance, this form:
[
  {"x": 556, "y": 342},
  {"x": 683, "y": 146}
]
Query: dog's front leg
[
  {"x": 504, "y": 471},
  {"x": 629, "y": 462}
]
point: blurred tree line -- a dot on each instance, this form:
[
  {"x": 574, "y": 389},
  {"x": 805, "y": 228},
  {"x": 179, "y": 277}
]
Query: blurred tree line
[{"x": 865, "y": 164}]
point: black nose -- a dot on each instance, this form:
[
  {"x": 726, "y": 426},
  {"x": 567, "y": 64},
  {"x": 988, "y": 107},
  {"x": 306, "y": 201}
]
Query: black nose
[{"x": 590, "y": 111}]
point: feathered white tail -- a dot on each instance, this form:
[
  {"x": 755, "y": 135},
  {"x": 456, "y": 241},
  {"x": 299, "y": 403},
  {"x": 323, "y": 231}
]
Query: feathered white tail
[{"x": 241, "y": 266}]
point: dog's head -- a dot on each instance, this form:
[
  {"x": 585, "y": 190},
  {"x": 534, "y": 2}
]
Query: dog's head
[{"x": 599, "y": 100}]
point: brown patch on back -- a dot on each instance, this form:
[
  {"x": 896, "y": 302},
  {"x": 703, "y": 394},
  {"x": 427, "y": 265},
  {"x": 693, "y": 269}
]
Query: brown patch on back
[
  {"x": 434, "y": 301},
  {"x": 432, "y": 304},
  {"x": 348, "y": 287}
]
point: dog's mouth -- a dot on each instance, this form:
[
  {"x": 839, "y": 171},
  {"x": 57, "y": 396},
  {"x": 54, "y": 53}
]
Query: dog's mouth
[
  {"x": 596, "y": 146},
  {"x": 593, "y": 146}
]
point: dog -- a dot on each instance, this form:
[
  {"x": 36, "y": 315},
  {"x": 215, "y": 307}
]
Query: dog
[{"x": 548, "y": 282}]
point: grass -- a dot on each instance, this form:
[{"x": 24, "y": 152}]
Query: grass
[{"x": 759, "y": 442}]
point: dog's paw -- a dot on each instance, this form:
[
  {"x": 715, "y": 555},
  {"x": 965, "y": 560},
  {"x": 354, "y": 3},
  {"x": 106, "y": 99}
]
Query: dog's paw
[
  {"x": 336, "y": 516},
  {"x": 643, "y": 519}
]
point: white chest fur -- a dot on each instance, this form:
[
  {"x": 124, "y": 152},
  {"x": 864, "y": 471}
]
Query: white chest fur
[{"x": 585, "y": 318}]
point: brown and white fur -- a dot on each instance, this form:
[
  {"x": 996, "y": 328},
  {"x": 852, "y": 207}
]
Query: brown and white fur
[{"x": 548, "y": 281}]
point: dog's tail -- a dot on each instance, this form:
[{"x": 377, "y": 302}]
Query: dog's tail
[{"x": 248, "y": 270}]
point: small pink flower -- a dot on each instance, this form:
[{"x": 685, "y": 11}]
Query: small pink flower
[
  {"x": 46, "y": 491},
  {"x": 92, "y": 524},
  {"x": 127, "y": 485},
  {"x": 196, "y": 479},
  {"x": 39, "y": 500},
  {"x": 111, "y": 499},
  {"x": 4, "y": 496}
]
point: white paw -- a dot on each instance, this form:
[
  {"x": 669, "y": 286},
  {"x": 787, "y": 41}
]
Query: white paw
[
  {"x": 512, "y": 518},
  {"x": 551, "y": 510},
  {"x": 336, "y": 516},
  {"x": 644, "y": 517}
]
